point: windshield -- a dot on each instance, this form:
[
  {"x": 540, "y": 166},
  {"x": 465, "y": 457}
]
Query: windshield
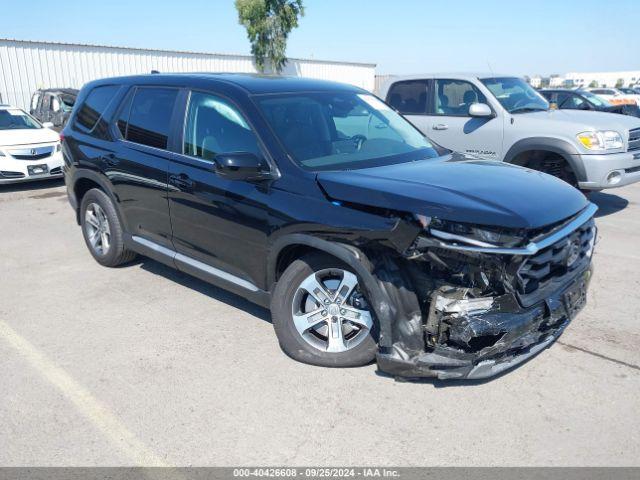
[
  {"x": 343, "y": 130},
  {"x": 516, "y": 95},
  {"x": 596, "y": 100},
  {"x": 16, "y": 119}
]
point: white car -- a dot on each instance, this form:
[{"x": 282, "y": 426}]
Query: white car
[
  {"x": 29, "y": 150},
  {"x": 615, "y": 96}
]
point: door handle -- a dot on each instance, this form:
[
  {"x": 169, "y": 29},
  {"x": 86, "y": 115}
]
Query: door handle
[
  {"x": 110, "y": 160},
  {"x": 182, "y": 181},
  {"x": 440, "y": 126}
]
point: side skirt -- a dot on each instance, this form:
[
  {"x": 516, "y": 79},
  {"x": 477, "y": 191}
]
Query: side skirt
[{"x": 198, "y": 269}]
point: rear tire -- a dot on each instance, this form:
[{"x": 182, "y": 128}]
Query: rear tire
[
  {"x": 102, "y": 230},
  {"x": 341, "y": 332}
]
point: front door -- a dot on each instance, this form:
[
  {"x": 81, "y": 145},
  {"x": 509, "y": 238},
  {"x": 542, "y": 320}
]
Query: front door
[
  {"x": 217, "y": 222},
  {"x": 440, "y": 109},
  {"x": 448, "y": 122}
]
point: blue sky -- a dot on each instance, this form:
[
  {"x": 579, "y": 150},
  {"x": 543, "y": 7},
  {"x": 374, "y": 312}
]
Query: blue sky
[{"x": 401, "y": 36}]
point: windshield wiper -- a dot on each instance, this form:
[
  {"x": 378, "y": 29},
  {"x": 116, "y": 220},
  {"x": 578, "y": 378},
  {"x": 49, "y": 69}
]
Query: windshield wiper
[{"x": 528, "y": 109}]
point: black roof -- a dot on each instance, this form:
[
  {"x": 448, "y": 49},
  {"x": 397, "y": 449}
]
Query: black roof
[{"x": 250, "y": 83}]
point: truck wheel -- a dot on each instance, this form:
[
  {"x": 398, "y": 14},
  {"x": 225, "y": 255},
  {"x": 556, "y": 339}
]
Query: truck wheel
[
  {"x": 102, "y": 230},
  {"x": 321, "y": 316},
  {"x": 558, "y": 167}
]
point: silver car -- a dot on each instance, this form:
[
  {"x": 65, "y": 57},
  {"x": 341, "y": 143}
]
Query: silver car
[{"x": 504, "y": 118}]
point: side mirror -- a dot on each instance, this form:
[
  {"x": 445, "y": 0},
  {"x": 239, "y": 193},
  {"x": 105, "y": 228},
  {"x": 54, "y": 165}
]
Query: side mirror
[
  {"x": 240, "y": 166},
  {"x": 480, "y": 110},
  {"x": 47, "y": 125}
]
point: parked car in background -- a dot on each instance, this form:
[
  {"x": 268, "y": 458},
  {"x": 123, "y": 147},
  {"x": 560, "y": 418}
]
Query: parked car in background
[
  {"x": 615, "y": 96},
  {"x": 28, "y": 150},
  {"x": 504, "y": 118},
  {"x": 631, "y": 91},
  {"x": 584, "y": 100},
  {"x": 318, "y": 200},
  {"x": 53, "y": 105}
]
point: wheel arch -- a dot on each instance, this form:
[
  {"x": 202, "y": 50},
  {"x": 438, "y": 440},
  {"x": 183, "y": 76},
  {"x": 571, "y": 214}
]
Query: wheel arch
[
  {"x": 291, "y": 247},
  {"x": 568, "y": 152},
  {"x": 86, "y": 180}
]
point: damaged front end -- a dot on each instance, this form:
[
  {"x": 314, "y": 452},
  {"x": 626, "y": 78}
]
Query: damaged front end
[{"x": 489, "y": 298}]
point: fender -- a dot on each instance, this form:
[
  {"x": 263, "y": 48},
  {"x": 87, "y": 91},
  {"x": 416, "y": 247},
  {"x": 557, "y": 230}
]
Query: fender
[
  {"x": 563, "y": 148},
  {"x": 102, "y": 182},
  {"x": 356, "y": 259}
]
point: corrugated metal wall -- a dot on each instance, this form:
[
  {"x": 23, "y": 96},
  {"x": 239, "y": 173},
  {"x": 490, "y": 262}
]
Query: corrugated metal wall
[{"x": 26, "y": 66}]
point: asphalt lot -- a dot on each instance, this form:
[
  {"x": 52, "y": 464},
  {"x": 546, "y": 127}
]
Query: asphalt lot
[{"x": 142, "y": 365}]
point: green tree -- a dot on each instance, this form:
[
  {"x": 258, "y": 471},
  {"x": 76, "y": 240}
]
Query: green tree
[
  {"x": 620, "y": 83},
  {"x": 268, "y": 24},
  {"x": 593, "y": 84}
]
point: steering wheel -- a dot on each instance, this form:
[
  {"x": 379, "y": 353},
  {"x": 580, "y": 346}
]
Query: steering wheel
[
  {"x": 359, "y": 141},
  {"x": 520, "y": 102}
]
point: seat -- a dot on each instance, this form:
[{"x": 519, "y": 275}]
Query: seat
[
  {"x": 307, "y": 132},
  {"x": 469, "y": 97},
  {"x": 443, "y": 104}
]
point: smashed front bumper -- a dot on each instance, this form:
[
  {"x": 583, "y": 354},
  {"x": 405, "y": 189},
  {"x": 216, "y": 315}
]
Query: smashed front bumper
[{"x": 484, "y": 344}]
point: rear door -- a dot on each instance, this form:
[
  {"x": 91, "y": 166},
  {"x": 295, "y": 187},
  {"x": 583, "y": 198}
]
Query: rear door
[
  {"x": 57, "y": 113},
  {"x": 139, "y": 162},
  {"x": 35, "y": 101},
  {"x": 220, "y": 226},
  {"x": 45, "y": 108}
]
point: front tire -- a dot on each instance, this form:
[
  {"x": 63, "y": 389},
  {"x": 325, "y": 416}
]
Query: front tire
[
  {"x": 102, "y": 230},
  {"x": 321, "y": 316}
]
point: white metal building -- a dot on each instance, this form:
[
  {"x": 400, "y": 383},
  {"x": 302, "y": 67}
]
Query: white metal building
[{"x": 26, "y": 66}]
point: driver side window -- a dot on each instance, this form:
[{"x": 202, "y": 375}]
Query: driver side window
[
  {"x": 215, "y": 126},
  {"x": 454, "y": 97}
]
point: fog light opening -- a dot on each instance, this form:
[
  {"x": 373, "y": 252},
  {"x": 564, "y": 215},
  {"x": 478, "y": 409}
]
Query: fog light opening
[{"x": 614, "y": 177}]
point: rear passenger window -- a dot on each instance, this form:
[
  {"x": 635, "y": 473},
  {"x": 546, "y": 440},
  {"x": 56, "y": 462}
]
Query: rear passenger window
[
  {"x": 148, "y": 119},
  {"x": 409, "y": 97},
  {"x": 214, "y": 126},
  {"x": 94, "y": 106}
]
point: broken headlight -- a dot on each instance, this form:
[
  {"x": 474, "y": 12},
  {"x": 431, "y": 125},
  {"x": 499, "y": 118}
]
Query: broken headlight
[{"x": 479, "y": 236}]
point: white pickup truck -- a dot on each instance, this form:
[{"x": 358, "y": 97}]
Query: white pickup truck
[{"x": 504, "y": 118}]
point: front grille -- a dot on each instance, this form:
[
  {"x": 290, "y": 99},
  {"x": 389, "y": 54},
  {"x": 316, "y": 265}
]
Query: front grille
[
  {"x": 56, "y": 171},
  {"x": 36, "y": 153},
  {"x": 634, "y": 139},
  {"x": 556, "y": 260},
  {"x": 5, "y": 174}
]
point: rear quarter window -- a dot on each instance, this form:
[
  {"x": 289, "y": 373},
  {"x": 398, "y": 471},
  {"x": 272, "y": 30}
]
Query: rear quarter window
[{"x": 94, "y": 106}]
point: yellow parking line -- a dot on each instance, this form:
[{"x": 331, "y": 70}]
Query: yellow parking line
[{"x": 86, "y": 403}]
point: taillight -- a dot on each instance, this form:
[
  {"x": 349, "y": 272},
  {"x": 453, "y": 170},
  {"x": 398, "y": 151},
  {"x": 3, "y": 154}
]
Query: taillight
[{"x": 61, "y": 138}]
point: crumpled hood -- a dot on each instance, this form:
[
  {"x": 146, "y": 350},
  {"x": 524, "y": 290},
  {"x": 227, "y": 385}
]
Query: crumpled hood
[
  {"x": 27, "y": 136},
  {"x": 458, "y": 188}
]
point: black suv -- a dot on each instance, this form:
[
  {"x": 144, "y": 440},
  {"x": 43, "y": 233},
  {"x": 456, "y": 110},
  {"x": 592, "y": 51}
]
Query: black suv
[
  {"x": 319, "y": 201},
  {"x": 53, "y": 105}
]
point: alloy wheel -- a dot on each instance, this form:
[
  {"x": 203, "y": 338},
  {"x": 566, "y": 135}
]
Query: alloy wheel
[
  {"x": 97, "y": 229},
  {"x": 329, "y": 311}
]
